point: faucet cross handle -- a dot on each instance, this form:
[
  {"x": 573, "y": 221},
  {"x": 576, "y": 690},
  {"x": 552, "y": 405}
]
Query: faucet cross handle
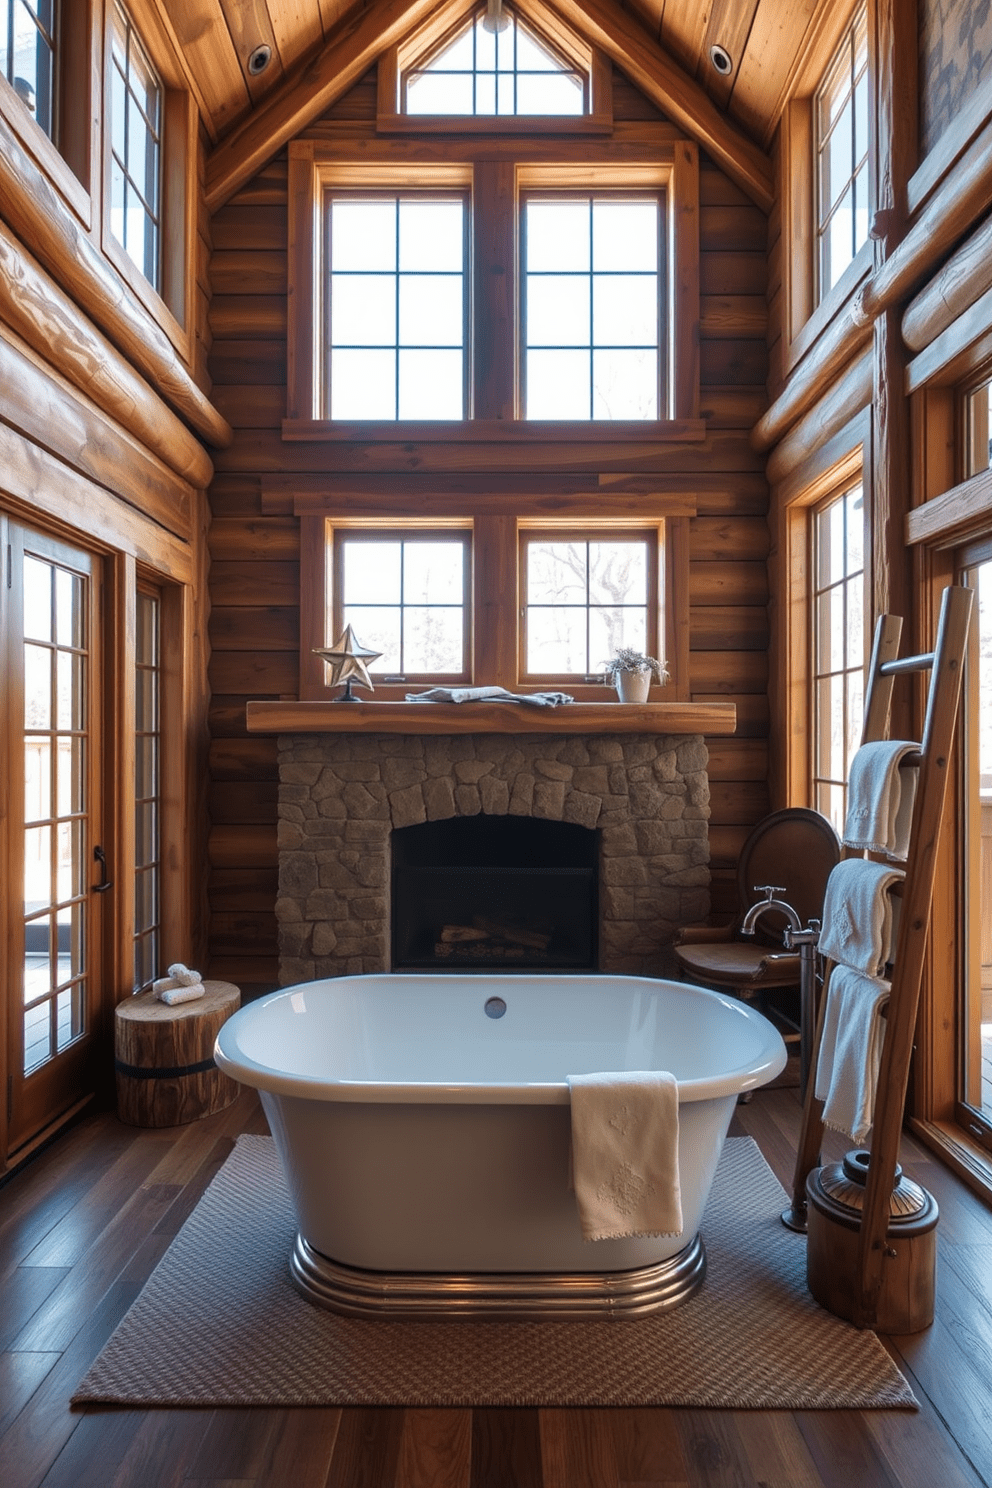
[{"x": 769, "y": 890}]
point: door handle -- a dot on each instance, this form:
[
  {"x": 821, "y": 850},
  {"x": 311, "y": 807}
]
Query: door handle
[{"x": 105, "y": 883}]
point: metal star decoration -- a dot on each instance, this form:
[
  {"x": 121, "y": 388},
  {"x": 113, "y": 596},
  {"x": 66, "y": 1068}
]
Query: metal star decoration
[{"x": 348, "y": 660}]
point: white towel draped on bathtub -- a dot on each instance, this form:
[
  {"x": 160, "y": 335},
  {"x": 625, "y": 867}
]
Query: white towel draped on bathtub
[{"x": 625, "y": 1154}]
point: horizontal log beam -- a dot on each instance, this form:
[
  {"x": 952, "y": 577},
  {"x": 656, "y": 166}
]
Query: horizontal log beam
[
  {"x": 31, "y": 207},
  {"x": 963, "y": 280},
  {"x": 46, "y": 318},
  {"x": 847, "y": 397},
  {"x": 963, "y": 196}
]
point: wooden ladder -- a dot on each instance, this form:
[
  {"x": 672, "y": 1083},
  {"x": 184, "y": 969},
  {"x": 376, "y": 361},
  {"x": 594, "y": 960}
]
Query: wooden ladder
[{"x": 946, "y": 666}]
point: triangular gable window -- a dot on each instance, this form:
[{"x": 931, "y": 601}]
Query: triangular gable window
[{"x": 483, "y": 72}]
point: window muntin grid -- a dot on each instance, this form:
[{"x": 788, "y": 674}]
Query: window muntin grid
[
  {"x": 28, "y": 56},
  {"x": 147, "y": 791},
  {"x": 841, "y": 132},
  {"x": 585, "y": 596},
  {"x": 397, "y": 306},
  {"x": 838, "y": 648},
  {"x": 136, "y": 102},
  {"x": 406, "y": 594},
  {"x": 487, "y": 73},
  {"x": 593, "y": 329},
  {"x": 56, "y": 660}
]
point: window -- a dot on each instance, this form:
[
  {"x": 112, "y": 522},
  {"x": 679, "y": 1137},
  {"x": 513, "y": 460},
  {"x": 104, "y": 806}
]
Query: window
[
  {"x": 505, "y": 290},
  {"x": 485, "y": 71},
  {"x": 592, "y": 324},
  {"x": 136, "y": 149},
  {"x": 28, "y": 56},
  {"x": 147, "y": 790},
  {"x": 406, "y": 594},
  {"x": 397, "y": 307},
  {"x": 841, "y": 142},
  {"x": 838, "y": 647},
  {"x": 486, "y": 598},
  {"x": 584, "y": 597}
]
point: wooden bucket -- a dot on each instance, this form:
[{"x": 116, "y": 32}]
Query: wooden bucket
[
  {"x": 906, "y": 1301},
  {"x": 164, "y": 1057}
]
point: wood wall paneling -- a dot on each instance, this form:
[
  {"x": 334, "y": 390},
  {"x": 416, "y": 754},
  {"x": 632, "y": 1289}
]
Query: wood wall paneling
[{"x": 254, "y": 539}]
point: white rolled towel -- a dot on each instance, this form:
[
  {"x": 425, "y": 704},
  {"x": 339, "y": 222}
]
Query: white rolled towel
[{"x": 181, "y": 985}]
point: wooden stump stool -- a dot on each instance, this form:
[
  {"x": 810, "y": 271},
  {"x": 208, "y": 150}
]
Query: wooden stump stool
[{"x": 166, "y": 1074}]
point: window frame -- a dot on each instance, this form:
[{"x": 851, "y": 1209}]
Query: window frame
[
  {"x": 653, "y": 536},
  {"x": 403, "y": 532},
  {"x": 171, "y": 303},
  {"x": 804, "y": 316},
  {"x": 71, "y": 159},
  {"x": 442, "y": 27},
  {"x": 494, "y": 618},
  {"x": 841, "y": 61},
  {"x": 646, "y": 160}
]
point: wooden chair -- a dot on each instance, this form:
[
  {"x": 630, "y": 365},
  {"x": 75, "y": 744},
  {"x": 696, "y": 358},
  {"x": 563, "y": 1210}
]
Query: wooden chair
[{"x": 794, "y": 850}]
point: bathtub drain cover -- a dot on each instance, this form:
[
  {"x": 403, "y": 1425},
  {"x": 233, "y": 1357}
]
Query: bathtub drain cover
[{"x": 495, "y": 1007}]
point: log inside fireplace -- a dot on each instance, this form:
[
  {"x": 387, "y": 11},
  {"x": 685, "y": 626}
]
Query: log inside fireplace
[{"x": 497, "y": 892}]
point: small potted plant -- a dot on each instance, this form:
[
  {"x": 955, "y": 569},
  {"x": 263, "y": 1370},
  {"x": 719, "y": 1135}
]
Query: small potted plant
[{"x": 632, "y": 673}]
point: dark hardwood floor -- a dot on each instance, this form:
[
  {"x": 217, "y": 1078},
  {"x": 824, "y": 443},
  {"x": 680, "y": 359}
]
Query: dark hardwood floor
[{"x": 85, "y": 1223}]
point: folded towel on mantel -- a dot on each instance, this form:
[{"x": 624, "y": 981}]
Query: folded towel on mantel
[
  {"x": 851, "y": 1051},
  {"x": 489, "y": 695},
  {"x": 625, "y": 1154},
  {"x": 860, "y": 916},
  {"x": 880, "y": 796}
]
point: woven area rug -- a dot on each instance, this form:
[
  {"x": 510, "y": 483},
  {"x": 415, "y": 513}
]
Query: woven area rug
[{"x": 219, "y": 1323}]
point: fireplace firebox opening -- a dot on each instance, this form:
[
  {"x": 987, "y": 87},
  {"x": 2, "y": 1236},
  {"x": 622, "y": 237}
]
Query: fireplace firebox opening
[{"x": 506, "y": 892}]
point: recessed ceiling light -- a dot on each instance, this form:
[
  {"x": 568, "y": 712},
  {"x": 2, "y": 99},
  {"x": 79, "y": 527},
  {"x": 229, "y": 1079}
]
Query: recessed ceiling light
[
  {"x": 721, "y": 59},
  {"x": 259, "y": 59}
]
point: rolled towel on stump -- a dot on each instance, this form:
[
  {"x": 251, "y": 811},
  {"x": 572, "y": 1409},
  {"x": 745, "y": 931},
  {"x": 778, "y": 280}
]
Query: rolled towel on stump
[{"x": 181, "y": 985}]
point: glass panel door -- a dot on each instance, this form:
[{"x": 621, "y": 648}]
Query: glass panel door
[{"x": 55, "y": 839}]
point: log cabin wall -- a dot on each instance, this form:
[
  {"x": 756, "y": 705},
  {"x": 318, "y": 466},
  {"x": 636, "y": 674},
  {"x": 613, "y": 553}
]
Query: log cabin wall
[
  {"x": 255, "y": 553},
  {"x": 105, "y": 423}
]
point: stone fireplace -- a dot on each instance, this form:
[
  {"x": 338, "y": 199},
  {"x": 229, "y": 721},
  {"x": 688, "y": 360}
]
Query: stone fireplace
[{"x": 342, "y": 795}]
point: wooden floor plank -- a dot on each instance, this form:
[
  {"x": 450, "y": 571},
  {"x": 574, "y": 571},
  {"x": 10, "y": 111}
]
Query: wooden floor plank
[
  {"x": 161, "y": 1448},
  {"x": 648, "y": 1449},
  {"x": 776, "y": 1452},
  {"x": 506, "y": 1449},
  {"x": 234, "y": 1445},
  {"x": 25, "y": 1289},
  {"x": 435, "y": 1449},
  {"x": 20, "y": 1376},
  {"x": 844, "y": 1451},
  {"x": 577, "y": 1449},
  {"x": 366, "y": 1452},
  {"x": 300, "y": 1448},
  {"x": 94, "y": 1451},
  {"x": 712, "y": 1449}
]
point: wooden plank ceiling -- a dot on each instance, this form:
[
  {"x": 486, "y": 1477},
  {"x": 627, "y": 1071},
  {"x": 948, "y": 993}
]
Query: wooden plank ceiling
[{"x": 765, "y": 40}]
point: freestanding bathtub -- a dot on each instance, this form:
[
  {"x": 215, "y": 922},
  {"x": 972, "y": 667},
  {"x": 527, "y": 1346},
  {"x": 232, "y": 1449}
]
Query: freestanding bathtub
[{"x": 424, "y": 1127}]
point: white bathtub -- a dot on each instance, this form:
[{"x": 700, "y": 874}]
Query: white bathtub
[{"x": 428, "y": 1142}]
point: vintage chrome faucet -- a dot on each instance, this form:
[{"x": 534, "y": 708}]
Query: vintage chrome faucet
[{"x": 794, "y": 938}]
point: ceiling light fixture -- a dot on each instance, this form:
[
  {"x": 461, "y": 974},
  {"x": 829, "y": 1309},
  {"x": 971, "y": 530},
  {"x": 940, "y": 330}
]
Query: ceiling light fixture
[
  {"x": 495, "y": 18},
  {"x": 721, "y": 59},
  {"x": 259, "y": 59}
]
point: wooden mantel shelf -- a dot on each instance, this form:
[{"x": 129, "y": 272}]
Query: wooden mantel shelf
[{"x": 269, "y": 717}]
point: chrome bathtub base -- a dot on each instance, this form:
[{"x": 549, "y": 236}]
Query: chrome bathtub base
[{"x": 510, "y": 1295}]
